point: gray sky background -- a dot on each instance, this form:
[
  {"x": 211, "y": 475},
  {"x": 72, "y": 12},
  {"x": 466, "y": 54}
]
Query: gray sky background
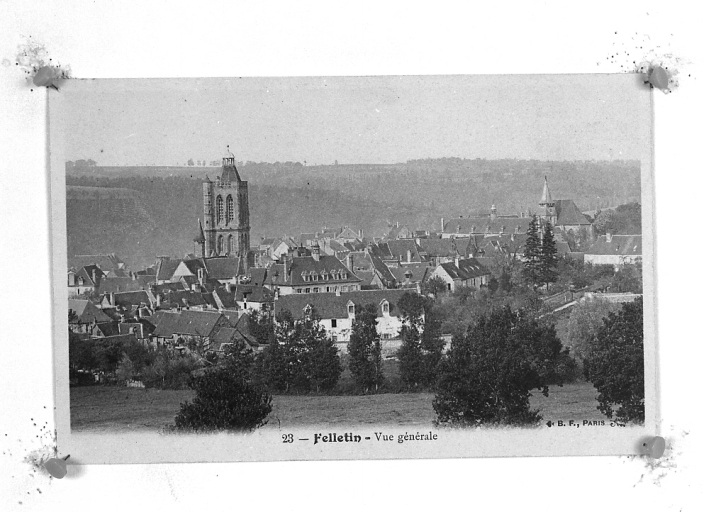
[{"x": 354, "y": 120}]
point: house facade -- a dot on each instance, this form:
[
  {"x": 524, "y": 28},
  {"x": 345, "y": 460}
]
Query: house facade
[
  {"x": 337, "y": 312},
  {"x": 615, "y": 250},
  {"x": 467, "y": 272}
]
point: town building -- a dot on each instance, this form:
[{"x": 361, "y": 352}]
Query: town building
[
  {"x": 336, "y": 311},
  {"x": 615, "y": 250},
  {"x": 316, "y": 273},
  {"x": 467, "y": 272}
]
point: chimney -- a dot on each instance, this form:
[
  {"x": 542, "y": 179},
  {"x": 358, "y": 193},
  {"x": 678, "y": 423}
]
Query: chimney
[
  {"x": 493, "y": 212},
  {"x": 442, "y": 224},
  {"x": 94, "y": 275},
  {"x": 608, "y": 238},
  {"x": 350, "y": 261},
  {"x": 276, "y": 293},
  {"x": 337, "y": 291},
  {"x": 228, "y": 287},
  {"x": 503, "y": 229},
  {"x": 201, "y": 276},
  {"x": 457, "y": 261},
  {"x": 418, "y": 288},
  {"x": 158, "y": 300},
  {"x": 408, "y": 256},
  {"x": 397, "y": 224},
  {"x": 112, "y": 299},
  {"x": 285, "y": 258},
  {"x": 315, "y": 251}
]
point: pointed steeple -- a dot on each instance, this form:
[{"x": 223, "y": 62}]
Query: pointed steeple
[
  {"x": 200, "y": 237},
  {"x": 229, "y": 170},
  {"x": 546, "y": 200}
]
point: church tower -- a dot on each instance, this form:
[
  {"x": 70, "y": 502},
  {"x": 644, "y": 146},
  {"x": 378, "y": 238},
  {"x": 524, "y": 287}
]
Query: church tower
[
  {"x": 226, "y": 213},
  {"x": 546, "y": 202}
]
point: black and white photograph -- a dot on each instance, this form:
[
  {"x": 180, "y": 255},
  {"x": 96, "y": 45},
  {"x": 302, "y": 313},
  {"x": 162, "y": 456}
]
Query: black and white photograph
[{"x": 353, "y": 267}]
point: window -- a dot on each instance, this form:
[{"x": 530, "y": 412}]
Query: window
[
  {"x": 230, "y": 209},
  {"x": 220, "y": 248},
  {"x": 219, "y": 210},
  {"x": 308, "y": 311},
  {"x": 80, "y": 281},
  {"x": 350, "y": 308},
  {"x": 316, "y": 289},
  {"x": 327, "y": 289},
  {"x": 344, "y": 288},
  {"x": 299, "y": 290},
  {"x": 231, "y": 244},
  {"x": 385, "y": 307},
  {"x": 307, "y": 290},
  {"x": 333, "y": 322}
]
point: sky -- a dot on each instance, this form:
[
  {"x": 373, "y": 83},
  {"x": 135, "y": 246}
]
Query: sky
[{"x": 354, "y": 119}]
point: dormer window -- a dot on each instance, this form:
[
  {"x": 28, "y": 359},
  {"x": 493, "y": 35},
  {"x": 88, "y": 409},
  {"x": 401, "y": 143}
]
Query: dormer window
[
  {"x": 308, "y": 311},
  {"x": 385, "y": 307},
  {"x": 80, "y": 281},
  {"x": 350, "y": 308}
]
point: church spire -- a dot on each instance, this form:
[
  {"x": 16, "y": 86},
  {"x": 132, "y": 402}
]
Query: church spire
[
  {"x": 200, "y": 239},
  {"x": 546, "y": 200}
]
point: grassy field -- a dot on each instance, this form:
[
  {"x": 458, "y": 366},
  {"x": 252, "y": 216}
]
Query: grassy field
[{"x": 107, "y": 408}]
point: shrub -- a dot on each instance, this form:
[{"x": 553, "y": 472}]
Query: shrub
[
  {"x": 488, "y": 374},
  {"x": 616, "y": 364},
  {"x": 223, "y": 401},
  {"x": 169, "y": 370}
]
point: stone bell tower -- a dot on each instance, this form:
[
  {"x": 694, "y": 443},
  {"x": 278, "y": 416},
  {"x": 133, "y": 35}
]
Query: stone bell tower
[{"x": 226, "y": 213}]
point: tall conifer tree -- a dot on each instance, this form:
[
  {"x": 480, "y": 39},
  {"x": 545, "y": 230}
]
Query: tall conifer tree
[
  {"x": 532, "y": 254},
  {"x": 548, "y": 256}
]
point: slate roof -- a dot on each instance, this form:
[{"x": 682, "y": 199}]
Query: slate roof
[
  {"x": 166, "y": 269},
  {"x": 86, "y": 311},
  {"x": 86, "y": 273},
  {"x": 257, "y": 276},
  {"x": 568, "y": 214},
  {"x": 366, "y": 276},
  {"x": 187, "y": 322},
  {"x": 223, "y": 268},
  {"x": 446, "y": 247},
  {"x": 167, "y": 287},
  {"x": 486, "y": 225},
  {"x": 307, "y": 264},
  {"x": 622, "y": 245},
  {"x": 183, "y": 298},
  {"x": 103, "y": 261},
  {"x": 467, "y": 269},
  {"x": 106, "y": 329},
  {"x": 418, "y": 272},
  {"x": 365, "y": 261},
  {"x": 400, "y": 248},
  {"x": 125, "y": 327},
  {"x": 331, "y": 305},
  {"x": 253, "y": 293},
  {"x": 135, "y": 298},
  {"x": 119, "y": 284}
]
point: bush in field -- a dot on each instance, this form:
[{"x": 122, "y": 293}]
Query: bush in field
[
  {"x": 364, "y": 350},
  {"x": 125, "y": 369},
  {"x": 584, "y": 323},
  {"x": 488, "y": 374},
  {"x": 301, "y": 358},
  {"x": 421, "y": 349},
  {"x": 224, "y": 401},
  {"x": 616, "y": 364},
  {"x": 169, "y": 370}
]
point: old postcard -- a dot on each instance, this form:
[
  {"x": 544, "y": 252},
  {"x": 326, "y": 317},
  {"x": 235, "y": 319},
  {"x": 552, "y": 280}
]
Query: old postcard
[{"x": 256, "y": 269}]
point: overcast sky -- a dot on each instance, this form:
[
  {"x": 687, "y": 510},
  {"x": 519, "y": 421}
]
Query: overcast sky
[{"x": 354, "y": 120}]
